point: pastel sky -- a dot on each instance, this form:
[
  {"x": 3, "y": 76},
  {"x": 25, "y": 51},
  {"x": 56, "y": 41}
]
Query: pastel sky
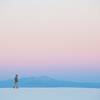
[{"x": 57, "y": 38}]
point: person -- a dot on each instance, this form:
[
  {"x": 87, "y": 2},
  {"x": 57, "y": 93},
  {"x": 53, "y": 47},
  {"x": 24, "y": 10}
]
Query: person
[{"x": 16, "y": 80}]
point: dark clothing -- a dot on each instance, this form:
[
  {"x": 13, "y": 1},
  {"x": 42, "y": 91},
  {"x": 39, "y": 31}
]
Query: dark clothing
[{"x": 16, "y": 79}]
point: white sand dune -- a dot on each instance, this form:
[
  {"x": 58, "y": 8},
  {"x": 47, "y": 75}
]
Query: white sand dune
[{"x": 50, "y": 94}]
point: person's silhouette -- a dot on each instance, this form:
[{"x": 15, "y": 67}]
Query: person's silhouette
[{"x": 16, "y": 80}]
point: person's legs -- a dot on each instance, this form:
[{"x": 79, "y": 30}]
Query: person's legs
[{"x": 16, "y": 85}]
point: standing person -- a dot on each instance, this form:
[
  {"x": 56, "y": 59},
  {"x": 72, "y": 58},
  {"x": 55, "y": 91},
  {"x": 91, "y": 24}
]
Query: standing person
[{"x": 16, "y": 80}]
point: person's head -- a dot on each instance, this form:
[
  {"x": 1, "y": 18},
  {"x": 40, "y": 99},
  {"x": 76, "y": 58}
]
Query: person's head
[{"x": 16, "y": 75}]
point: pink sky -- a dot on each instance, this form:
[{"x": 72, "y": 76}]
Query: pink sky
[{"x": 48, "y": 34}]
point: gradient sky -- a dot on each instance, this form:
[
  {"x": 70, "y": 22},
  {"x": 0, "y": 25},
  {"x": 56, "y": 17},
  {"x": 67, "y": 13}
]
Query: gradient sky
[{"x": 58, "y": 38}]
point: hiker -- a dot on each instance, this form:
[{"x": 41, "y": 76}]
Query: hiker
[{"x": 16, "y": 81}]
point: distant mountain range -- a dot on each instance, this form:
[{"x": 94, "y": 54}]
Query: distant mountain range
[{"x": 45, "y": 81}]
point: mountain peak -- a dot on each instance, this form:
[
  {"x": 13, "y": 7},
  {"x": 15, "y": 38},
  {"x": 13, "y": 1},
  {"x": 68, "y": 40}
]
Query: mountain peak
[{"x": 45, "y": 78}]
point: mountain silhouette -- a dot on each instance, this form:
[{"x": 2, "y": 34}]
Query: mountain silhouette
[{"x": 45, "y": 81}]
